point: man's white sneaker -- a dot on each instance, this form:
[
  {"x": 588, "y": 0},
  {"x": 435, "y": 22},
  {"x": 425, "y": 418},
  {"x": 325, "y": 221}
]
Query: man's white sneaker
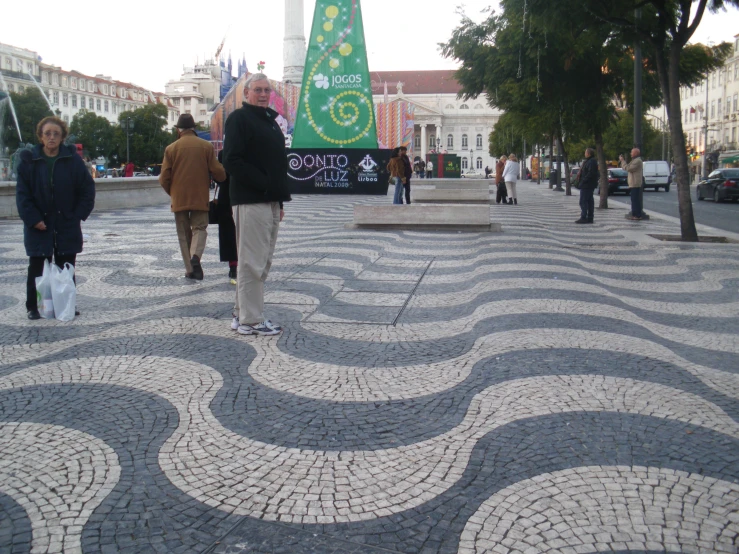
[
  {"x": 235, "y": 323},
  {"x": 271, "y": 325},
  {"x": 260, "y": 329}
]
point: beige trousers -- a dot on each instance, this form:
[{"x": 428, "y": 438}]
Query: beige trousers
[
  {"x": 192, "y": 234},
  {"x": 511, "y": 186},
  {"x": 256, "y": 236}
]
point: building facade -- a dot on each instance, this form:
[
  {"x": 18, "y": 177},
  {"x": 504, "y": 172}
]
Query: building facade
[
  {"x": 70, "y": 92},
  {"x": 710, "y": 115},
  {"x": 442, "y": 121}
]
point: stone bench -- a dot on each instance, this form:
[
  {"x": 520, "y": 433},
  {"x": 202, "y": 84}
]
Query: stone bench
[
  {"x": 458, "y": 184},
  {"x": 425, "y": 217},
  {"x": 446, "y": 196}
]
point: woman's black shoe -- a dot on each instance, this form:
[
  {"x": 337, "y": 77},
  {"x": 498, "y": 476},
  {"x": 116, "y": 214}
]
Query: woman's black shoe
[{"x": 33, "y": 314}]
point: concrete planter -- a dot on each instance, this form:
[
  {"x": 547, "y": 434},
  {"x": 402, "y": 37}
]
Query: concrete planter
[{"x": 110, "y": 194}]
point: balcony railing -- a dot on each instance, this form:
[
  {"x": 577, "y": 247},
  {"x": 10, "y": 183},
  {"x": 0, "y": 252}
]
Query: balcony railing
[{"x": 15, "y": 75}]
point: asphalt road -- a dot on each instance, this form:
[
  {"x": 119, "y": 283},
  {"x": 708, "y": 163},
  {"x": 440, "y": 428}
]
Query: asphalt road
[{"x": 724, "y": 216}]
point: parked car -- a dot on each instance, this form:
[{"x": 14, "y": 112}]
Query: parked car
[
  {"x": 722, "y": 184},
  {"x": 657, "y": 175},
  {"x": 617, "y": 181},
  {"x": 574, "y": 172}
]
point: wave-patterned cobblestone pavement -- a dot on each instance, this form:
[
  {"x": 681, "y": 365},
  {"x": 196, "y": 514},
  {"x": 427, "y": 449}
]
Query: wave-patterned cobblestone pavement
[{"x": 551, "y": 388}]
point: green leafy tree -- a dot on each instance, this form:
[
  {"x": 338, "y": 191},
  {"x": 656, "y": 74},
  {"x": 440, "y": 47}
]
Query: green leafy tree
[
  {"x": 149, "y": 136},
  {"x": 95, "y": 133},
  {"x": 30, "y": 107},
  {"x": 664, "y": 28}
]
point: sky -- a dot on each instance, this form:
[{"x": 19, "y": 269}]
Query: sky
[{"x": 149, "y": 42}]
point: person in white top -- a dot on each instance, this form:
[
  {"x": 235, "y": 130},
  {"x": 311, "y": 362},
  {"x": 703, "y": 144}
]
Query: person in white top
[
  {"x": 510, "y": 176},
  {"x": 429, "y": 169}
]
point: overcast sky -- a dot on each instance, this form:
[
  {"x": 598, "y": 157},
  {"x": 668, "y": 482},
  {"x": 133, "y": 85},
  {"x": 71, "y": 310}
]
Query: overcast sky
[{"x": 149, "y": 42}]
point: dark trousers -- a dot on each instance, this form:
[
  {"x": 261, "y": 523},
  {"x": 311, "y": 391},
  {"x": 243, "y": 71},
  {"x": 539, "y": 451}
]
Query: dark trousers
[
  {"x": 587, "y": 204},
  {"x": 36, "y": 269},
  {"x": 636, "y": 201},
  {"x": 407, "y": 187}
]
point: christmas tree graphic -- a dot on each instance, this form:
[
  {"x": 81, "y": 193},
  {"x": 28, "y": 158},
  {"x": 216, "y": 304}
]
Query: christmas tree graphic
[{"x": 335, "y": 109}]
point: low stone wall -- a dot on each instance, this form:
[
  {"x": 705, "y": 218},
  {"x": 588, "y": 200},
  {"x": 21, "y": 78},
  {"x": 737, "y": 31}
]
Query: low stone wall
[{"x": 110, "y": 194}]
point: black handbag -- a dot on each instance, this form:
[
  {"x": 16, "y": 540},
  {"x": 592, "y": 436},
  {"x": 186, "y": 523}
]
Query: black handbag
[{"x": 213, "y": 208}]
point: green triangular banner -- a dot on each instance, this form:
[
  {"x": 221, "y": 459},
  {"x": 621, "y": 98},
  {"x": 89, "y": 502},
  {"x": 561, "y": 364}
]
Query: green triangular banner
[{"x": 335, "y": 109}]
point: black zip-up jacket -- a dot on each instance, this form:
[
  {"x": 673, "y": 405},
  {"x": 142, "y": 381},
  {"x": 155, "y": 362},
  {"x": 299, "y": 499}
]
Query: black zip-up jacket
[
  {"x": 255, "y": 157},
  {"x": 589, "y": 174},
  {"x": 61, "y": 202}
]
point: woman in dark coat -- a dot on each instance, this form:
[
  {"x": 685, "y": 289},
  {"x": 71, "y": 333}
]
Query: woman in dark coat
[
  {"x": 54, "y": 194},
  {"x": 226, "y": 227}
]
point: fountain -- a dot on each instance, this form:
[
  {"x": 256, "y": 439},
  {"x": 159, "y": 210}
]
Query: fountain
[
  {"x": 9, "y": 100},
  {"x": 35, "y": 82}
]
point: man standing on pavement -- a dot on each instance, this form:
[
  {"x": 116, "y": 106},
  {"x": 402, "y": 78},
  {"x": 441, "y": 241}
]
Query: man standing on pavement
[
  {"x": 588, "y": 178},
  {"x": 429, "y": 169},
  {"x": 185, "y": 177},
  {"x": 255, "y": 157},
  {"x": 408, "y": 173},
  {"x": 635, "y": 178}
]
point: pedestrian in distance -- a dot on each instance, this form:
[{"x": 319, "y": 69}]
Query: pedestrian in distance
[
  {"x": 396, "y": 167},
  {"x": 226, "y": 227},
  {"x": 129, "y": 170},
  {"x": 510, "y": 176},
  {"x": 255, "y": 157},
  {"x": 429, "y": 169},
  {"x": 186, "y": 169},
  {"x": 415, "y": 169},
  {"x": 588, "y": 180},
  {"x": 422, "y": 169},
  {"x": 635, "y": 169},
  {"x": 54, "y": 194},
  {"x": 501, "y": 192},
  {"x": 408, "y": 173}
]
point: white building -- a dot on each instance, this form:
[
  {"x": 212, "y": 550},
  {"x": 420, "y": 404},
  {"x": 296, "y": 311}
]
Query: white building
[
  {"x": 711, "y": 114},
  {"x": 69, "y": 92},
  {"x": 197, "y": 91},
  {"x": 460, "y": 127}
]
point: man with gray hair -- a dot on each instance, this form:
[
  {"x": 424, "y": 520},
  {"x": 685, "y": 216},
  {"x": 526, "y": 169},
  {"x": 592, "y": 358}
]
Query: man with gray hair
[
  {"x": 635, "y": 169},
  {"x": 255, "y": 157}
]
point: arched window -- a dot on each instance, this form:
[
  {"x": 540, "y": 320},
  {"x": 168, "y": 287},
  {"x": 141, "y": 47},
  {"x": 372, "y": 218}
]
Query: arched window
[
  {"x": 464, "y": 107},
  {"x": 478, "y": 106},
  {"x": 464, "y": 163},
  {"x": 417, "y": 141},
  {"x": 465, "y": 143},
  {"x": 450, "y": 141},
  {"x": 479, "y": 163},
  {"x": 478, "y": 142},
  {"x": 449, "y": 107}
]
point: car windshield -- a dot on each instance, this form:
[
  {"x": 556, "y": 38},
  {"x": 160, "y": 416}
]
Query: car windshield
[
  {"x": 617, "y": 172},
  {"x": 731, "y": 173}
]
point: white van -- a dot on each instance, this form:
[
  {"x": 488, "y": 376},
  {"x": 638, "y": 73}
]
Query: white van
[{"x": 657, "y": 175}]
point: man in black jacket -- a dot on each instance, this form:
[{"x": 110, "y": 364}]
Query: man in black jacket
[
  {"x": 588, "y": 179},
  {"x": 255, "y": 157}
]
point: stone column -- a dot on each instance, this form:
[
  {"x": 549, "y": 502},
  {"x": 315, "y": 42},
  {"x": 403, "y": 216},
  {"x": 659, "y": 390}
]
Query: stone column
[
  {"x": 424, "y": 142},
  {"x": 293, "y": 46}
]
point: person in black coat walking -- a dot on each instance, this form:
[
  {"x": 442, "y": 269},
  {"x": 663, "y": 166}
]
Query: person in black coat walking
[
  {"x": 54, "y": 194},
  {"x": 226, "y": 227},
  {"x": 588, "y": 178}
]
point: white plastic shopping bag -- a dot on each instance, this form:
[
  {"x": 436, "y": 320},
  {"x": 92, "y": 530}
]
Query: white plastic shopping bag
[
  {"x": 63, "y": 292},
  {"x": 44, "y": 302}
]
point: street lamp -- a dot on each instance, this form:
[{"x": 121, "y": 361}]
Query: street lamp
[
  {"x": 127, "y": 125},
  {"x": 471, "y": 152},
  {"x": 438, "y": 145}
]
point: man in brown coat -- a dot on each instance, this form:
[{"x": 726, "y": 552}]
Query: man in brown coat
[{"x": 186, "y": 169}]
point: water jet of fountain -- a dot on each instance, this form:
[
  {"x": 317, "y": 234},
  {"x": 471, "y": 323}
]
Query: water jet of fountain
[
  {"x": 12, "y": 108},
  {"x": 35, "y": 82}
]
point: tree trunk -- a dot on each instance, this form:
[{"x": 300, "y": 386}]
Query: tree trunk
[
  {"x": 602, "y": 170},
  {"x": 551, "y": 153},
  {"x": 568, "y": 184},
  {"x": 685, "y": 205},
  {"x": 538, "y": 168}
]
